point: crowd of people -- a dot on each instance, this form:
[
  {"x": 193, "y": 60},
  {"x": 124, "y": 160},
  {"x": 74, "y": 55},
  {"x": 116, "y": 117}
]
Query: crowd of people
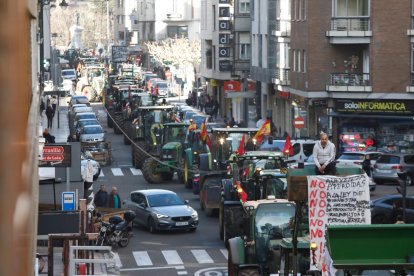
[{"x": 205, "y": 103}]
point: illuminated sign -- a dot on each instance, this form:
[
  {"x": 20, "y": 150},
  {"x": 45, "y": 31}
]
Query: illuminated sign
[{"x": 391, "y": 107}]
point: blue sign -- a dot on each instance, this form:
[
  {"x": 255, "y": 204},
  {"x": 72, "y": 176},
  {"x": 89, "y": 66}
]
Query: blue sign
[{"x": 68, "y": 201}]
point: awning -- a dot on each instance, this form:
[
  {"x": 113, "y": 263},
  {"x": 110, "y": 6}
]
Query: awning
[{"x": 371, "y": 116}]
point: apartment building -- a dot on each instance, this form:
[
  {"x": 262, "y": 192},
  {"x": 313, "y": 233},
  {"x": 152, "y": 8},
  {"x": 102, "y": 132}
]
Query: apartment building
[
  {"x": 342, "y": 67},
  {"x": 225, "y": 56}
]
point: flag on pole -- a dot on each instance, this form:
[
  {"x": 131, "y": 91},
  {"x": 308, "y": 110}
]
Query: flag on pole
[
  {"x": 240, "y": 192},
  {"x": 241, "y": 150},
  {"x": 264, "y": 130},
  {"x": 192, "y": 126},
  {"x": 287, "y": 148}
]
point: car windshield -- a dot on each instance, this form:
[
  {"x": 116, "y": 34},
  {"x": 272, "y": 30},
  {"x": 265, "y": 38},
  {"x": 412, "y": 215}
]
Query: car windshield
[
  {"x": 92, "y": 130},
  {"x": 175, "y": 133},
  {"x": 351, "y": 156},
  {"x": 276, "y": 146},
  {"x": 87, "y": 116},
  {"x": 162, "y": 85},
  {"x": 80, "y": 101},
  {"x": 388, "y": 159},
  {"x": 88, "y": 123},
  {"x": 68, "y": 73},
  {"x": 161, "y": 200}
]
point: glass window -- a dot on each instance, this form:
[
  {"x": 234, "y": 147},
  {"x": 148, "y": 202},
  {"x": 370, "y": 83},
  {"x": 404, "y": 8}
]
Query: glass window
[
  {"x": 244, "y": 51},
  {"x": 308, "y": 149},
  {"x": 304, "y": 61},
  {"x": 388, "y": 159},
  {"x": 299, "y": 61},
  {"x": 177, "y": 31},
  {"x": 412, "y": 57},
  {"x": 244, "y": 6},
  {"x": 409, "y": 159},
  {"x": 349, "y": 8},
  {"x": 296, "y": 148}
]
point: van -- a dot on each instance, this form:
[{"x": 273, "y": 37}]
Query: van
[
  {"x": 302, "y": 148},
  {"x": 68, "y": 74},
  {"x": 161, "y": 88}
]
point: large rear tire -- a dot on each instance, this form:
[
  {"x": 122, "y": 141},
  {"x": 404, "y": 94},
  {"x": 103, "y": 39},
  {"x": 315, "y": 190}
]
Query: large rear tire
[
  {"x": 117, "y": 124},
  {"x": 139, "y": 153},
  {"x": 109, "y": 121},
  {"x": 189, "y": 175},
  {"x": 127, "y": 128},
  {"x": 213, "y": 181},
  {"x": 124, "y": 240},
  {"x": 148, "y": 171}
]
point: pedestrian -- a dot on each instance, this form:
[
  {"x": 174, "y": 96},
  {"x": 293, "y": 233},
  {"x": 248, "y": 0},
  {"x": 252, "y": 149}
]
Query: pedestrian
[
  {"x": 396, "y": 212},
  {"x": 114, "y": 201},
  {"x": 273, "y": 129},
  {"x": 216, "y": 107},
  {"x": 232, "y": 122},
  {"x": 50, "y": 139},
  {"x": 101, "y": 197},
  {"x": 87, "y": 175},
  {"x": 202, "y": 102},
  {"x": 324, "y": 156},
  {"x": 366, "y": 165},
  {"x": 54, "y": 104},
  {"x": 49, "y": 115},
  {"x": 42, "y": 106}
]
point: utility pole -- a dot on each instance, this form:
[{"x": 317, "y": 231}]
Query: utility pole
[{"x": 107, "y": 24}]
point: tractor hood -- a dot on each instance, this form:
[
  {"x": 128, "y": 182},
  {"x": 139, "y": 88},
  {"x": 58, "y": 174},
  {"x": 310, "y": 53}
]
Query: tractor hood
[{"x": 172, "y": 146}]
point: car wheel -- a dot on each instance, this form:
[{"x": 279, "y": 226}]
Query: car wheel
[
  {"x": 379, "y": 219},
  {"x": 151, "y": 226}
]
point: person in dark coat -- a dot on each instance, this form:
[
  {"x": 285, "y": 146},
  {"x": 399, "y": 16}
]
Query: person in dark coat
[
  {"x": 101, "y": 197},
  {"x": 50, "y": 139},
  {"x": 114, "y": 200},
  {"x": 49, "y": 115}
]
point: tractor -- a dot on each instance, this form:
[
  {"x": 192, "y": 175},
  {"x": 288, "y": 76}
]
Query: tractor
[
  {"x": 213, "y": 164},
  {"x": 92, "y": 82},
  {"x": 146, "y": 131},
  {"x": 169, "y": 157}
]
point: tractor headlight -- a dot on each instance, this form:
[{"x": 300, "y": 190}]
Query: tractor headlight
[
  {"x": 155, "y": 143},
  {"x": 221, "y": 141},
  {"x": 254, "y": 141}
]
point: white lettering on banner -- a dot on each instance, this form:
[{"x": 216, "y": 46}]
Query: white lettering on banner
[
  {"x": 68, "y": 198},
  {"x": 335, "y": 200}
]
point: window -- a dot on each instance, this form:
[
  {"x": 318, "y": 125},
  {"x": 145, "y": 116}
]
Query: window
[
  {"x": 303, "y": 9},
  {"x": 299, "y": 10},
  {"x": 412, "y": 57},
  {"x": 120, "y": 3},
  {"x": 244, "y": 51},
  {"x": 304, "y": 61},
  {"x": 121, "y": 35},
  {"x": 299, "y": 61},
  {"x": 177, "y": 31},
  {"x": 296, "y": 148},
  {"x": 244, "y": 6},
  {"x": 349, "y": 8},
  {"x": 294, "y": 60},
  {"x": 214, "y": 17}
]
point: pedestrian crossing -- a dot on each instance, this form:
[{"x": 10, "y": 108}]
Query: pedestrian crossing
[
  {"x": 182, "y": 257},
  {"x": 124, "y": 171}
]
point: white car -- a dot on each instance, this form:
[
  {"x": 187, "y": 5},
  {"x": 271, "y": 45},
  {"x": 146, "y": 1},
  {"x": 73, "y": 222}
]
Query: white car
[
  {"x": 356, "y": 158},
  {"x": 92, "y": 134}
]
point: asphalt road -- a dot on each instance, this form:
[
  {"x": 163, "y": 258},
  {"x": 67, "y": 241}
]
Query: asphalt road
[{"x": 178, "y": 253}]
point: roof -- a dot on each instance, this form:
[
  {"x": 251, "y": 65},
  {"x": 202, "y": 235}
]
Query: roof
[
  {"x": 263, "y": 154},
  {"x": 256, "y": 203},
  {"x": 235, "y": 130},
  {"x": 153, "y": 192}
]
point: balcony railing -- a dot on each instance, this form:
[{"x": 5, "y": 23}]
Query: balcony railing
[
  {"x": 282, "y": 28},
  {"x": 350, "y": 82},
  {"x": 282, "y": 76},
  {"x": 350, "y": 24}
]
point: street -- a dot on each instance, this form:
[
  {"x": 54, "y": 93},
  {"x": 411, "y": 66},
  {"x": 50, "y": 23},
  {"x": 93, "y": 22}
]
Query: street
[{"x": 171, "y": 253}]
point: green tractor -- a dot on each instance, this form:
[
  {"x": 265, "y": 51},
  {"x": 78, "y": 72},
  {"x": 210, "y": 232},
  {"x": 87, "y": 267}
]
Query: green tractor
[
  {"x": 169, "y": 157},
  {"x": 258, "y": 174},
  {"x": 146, "y": 132},
  {"x": 213, "y": 165}
]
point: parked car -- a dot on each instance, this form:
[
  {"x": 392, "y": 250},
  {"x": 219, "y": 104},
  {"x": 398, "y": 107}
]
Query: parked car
[
  {"x": 302, "y": 148},
  {"x": 383, "y": 210},
  {"x": 84, "y": 122},
  {"x": 159, "y": 209},
  {"x": 80, "y": 109},
  {"x": 388, "y": 165},
  {"x": 92, "y": 134},
  {"x": 84, "y": 115},
  {"x": 78, "y": 99},
  {"x": 357, "y": 158},
  {"x": 95, "y": 164},
  {"x": 69, "y": 74}
]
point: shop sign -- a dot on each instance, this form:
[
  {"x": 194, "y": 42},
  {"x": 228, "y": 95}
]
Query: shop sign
[
  {"x": 224, "y": 52},
  {"x": 213, "y": 82},
  {"x": 224, "y": 25},
  {"x": 319, "y": 102},
  {"x": 56, "y": 156},
  {"x": 391, "y": 107},
  {"x": 232, "y": 86},
  {"x": 284, "y": 95},
  {"x": 224, "y": 65},
  {"x": 224, "y": 38},
  {"x": 224, "y": 11}
]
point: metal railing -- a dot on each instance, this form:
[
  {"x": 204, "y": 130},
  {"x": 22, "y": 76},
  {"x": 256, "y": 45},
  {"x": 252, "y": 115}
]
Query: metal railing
[
  {"x": 282, "y": 74},
  {"x": 350, "y": 79},
  {"x": 350, "y": 24},
  {"x": 283, "y": 26},
  {"x": 73, "y": 261}
]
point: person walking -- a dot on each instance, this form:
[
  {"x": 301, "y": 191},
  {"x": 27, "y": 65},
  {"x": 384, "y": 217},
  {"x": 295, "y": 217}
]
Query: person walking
[
  {"x": 87, "y": 175},
  {"x": 49, "y": 115},
  {"x": 324, "y": 156},
  {"x": 216, "y": 107},
  {"x": 114, "y": 201},
  {"x": 54, "y": 102},
  {"x": 366, "y": 165},
  {"x": 101, "y": 197}
]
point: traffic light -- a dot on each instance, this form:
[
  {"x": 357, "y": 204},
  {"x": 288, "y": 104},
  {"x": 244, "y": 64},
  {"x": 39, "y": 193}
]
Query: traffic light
[{"x": 403, "y": 183}]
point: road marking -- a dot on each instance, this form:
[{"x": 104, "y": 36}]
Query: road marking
[
  {"x": 135, "y": 171},
  {"x": 202, "y": 256},
  {"x": 172, "y": 257},
  {"x": 117, "y": 172},
  {"x": 225, "y": 253},
  {"x": 182, "y": 272},
  {"x": 147, "y": 268},
  {"x": 101, "y": 174},
  {"x": 142, "y": 258},
  {"x": 118, "y": 262}
]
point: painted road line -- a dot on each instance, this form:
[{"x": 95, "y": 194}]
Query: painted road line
[
  {"x": 202, "y": 256},
  {"x": 117, "y": 172},
  {"x": 118, "y": 262},
  {"x": 142, "y": 258},
  {"x": 101, "y": 174},
  {"x": 225, "y": 253},
  {"x": 135, "y": 171},
  {"x": 172, "y": 257},
  {"x": 182, "y": 272}
]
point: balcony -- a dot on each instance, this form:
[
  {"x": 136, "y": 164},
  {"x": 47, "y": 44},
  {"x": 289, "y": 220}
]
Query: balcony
[
  {"x": 349, "y": 82},
  {"x": 282, "y": 77},
  {"x": 350, "y": 31},
  {"x": 282, "y": 30}
]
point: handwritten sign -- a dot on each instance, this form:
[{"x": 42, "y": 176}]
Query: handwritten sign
[
  {"x": 335, "y": 200},
  {"x": 119, "y": 53}
]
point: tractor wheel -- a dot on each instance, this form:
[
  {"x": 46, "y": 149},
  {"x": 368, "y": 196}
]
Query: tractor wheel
[
  {"x": 127, "y": 128},
  {"x": 109, "y": 121},
  {"x": 117, "y": 123},
  {"x": 140, "y": 153},
  {"x": 210, "y": 180},
  {"x": 148, "y": 169},
  {"x": 188, "y": 175},
  {"x": 167, "y": 176}
]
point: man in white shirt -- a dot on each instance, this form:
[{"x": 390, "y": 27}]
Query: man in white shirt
[{"x": 324, "y": 156}]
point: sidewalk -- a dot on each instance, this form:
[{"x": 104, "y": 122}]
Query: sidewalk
[{"x": 60, "y": 125}]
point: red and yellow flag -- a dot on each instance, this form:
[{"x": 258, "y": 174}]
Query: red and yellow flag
[
  {"x": 264, "y": 130},
  {"x": 240, "y": 192},
  {"x": 241, "y": 150},
  {"x": 203, "y": 132},
  {"x": 192, "y": 127},
  {"x": 287, "y": 148}
]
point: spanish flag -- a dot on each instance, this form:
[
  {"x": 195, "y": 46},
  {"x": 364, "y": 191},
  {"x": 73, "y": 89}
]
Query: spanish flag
[
  {"x": 287, "y": 148},
  {"x": 192, "y": 127},
  {"x": 264, "y": 130},
  {"x": 241, "y": 150},
  {"x": 203, "y": 132}
]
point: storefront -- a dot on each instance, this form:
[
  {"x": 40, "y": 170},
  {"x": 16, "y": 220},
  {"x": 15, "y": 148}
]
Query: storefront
[
  {"x": 242, "y": 103},
  {"x": 357, "y": 122}
]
